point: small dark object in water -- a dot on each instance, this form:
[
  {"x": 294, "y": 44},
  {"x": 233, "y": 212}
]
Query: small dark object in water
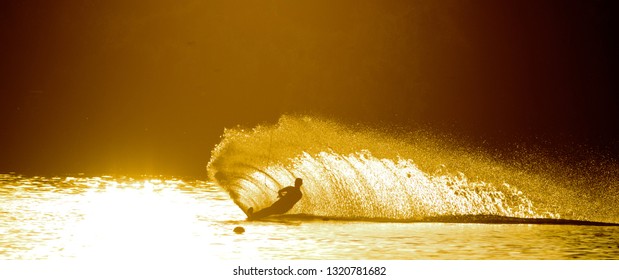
[{"x": 239, "y": 230}]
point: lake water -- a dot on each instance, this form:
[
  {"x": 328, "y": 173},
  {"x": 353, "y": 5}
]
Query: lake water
[{"x": 99, "y": 218}]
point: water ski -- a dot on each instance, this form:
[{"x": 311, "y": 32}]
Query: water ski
[{"x": 279, "y": 207}]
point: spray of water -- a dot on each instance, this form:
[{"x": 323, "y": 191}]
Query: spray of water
[{"x": 353, "y": 172}]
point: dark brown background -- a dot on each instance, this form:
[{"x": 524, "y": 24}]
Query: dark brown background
[{"x": 148, "y": 86}]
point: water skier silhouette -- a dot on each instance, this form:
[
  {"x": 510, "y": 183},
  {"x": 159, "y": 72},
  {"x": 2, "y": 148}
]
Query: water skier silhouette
[{"x": 288, "y": 197}]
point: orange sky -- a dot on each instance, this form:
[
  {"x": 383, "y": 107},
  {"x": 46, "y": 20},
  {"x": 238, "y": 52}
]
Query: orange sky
[{"x": 135, "y": 86}]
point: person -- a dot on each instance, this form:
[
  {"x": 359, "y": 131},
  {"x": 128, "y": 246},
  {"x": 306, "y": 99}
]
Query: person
[{"x": 288, "y": 197}]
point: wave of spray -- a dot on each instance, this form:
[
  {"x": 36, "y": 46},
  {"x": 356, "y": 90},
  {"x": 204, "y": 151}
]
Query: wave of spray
[{"x": 358, "y": 173}]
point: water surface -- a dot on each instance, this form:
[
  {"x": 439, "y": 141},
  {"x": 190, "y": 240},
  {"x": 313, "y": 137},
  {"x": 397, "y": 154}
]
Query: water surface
[{"x": 99, "y": 218}]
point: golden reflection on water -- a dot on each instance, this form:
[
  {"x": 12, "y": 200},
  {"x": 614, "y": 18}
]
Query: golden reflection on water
[
  {"x": 102, "y": 217},
  {"x": 118, "y": 218}
]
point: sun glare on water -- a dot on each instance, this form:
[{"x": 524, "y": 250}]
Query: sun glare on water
[
  {"x": 135, "y": 219},
  {"x": 103, "y": 218}
]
